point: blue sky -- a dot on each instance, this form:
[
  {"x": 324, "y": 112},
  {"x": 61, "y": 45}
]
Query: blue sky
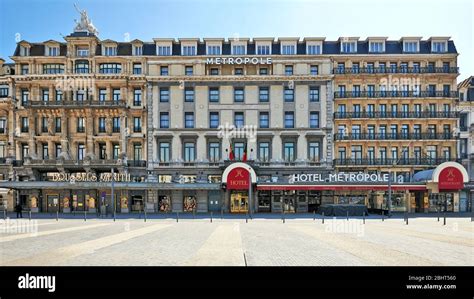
[{"x": 146, "y": 19}]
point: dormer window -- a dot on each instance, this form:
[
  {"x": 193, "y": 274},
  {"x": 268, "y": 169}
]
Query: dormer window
[
  {"x": 82, "y": 51},
  {"x": 313, "y": 49},
  {"x": 238, "y": 50},
  {"x": 376, "y": 47},
  {"x": 24, "y": 51},
  {"x": 410, "y": 46},
  {"x": 164, "y": 50},
  {"x": 137, "y": 50},
  {"x": 110, "y": 50},
  {"x": 189, "y": 50},
  {"x": 439, "y": 47},
  {"x": 263, "y": 50},
  {"x": 213, "y": 50},
  {"x": 348, "y": 47},
  {"x": 52, "y": 51},
  {"x": 288, "y": 49}
]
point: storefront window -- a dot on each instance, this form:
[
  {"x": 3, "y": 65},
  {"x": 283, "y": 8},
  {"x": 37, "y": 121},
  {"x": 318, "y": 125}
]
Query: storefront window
[
  {"x": 189, "y": 203},
  {"x": 164, "y": 203}
]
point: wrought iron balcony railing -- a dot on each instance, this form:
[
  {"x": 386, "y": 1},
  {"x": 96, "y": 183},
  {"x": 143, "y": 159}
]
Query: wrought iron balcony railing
[
  {"x": 394, "y": 136},
  {"x": 395, "y": 94},
  {"x": 392, "y": 162},
  {"x": 397, "y": 114},
  {"x": 84, "y": 103},
  {"x": 396, "y": 70}
]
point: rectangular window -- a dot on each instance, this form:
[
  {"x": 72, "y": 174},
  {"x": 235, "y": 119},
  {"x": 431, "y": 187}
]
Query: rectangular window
[
  {"x": 24, "y": 124},
  {"x": 410, "y": 47},
  {"x": 313, "y": 49},
  {"x": 164, "y": 51},
  {"x": 239, "y": 71},
  {"x": 45, "y": 151},
  {"x": 189, "y": 152},
  {"x": 314, "y": 94},
  {"x": 164, "y": 70},
  {"x": 289, "y": 151},
  {"x": 44, "y": 124},
  {"x": 189, "y": 120},
  {"x": 116, "y": 94},
  {"x": 189, "y": 95},
  {"x": 116, "y": 151},
  {"x": 239, "y": 120},
  {"x": 214, "y": 152},
  {"x": 264, "y": 151},
  {"x": 313, "y": 70},
  {"x": 102, "y": 95},
  {"x": 25, "y": 97},
  {"x": 164, "y": 120},
  {"x": 239, "y": 95},
  {"x": 314, "y": 119},
  {"x": 214, "y": 72},
  {"x": 376, "y": 47},
  {"x": 238, "y": 50},
  {"x": 53, "y": 51},
  {"x": 314, "y": 151},
  {"x": 438, "y": 47},
  {"x": 213, "y": 120},
  {"x": 81, "y": 67},
  {"x": 188, "y": 70},
  {"x": 264, "y": 120},
  {"x": 213, "y": 50},
  {"x": 263, "y": 94},
  {"x": 58, "y": 150},
  {"x": 57, "y": 124},
  {"x": 102, "y": 128},
  {"x": 164, "y": 94},
  {"x": 263, "y": 71},
  {"x": 110, "y": 51},
  {"x": 348, "y": 47},
  {"x": 189, "y": 50},
  {"x": 53, "y": 68},
  {"x": 110, "y": 68},
  {"x": 164, "y": 152},
  {"x": 24, "y": 69},
  {"x": 289, "y": 119},
  {"x": 137, "y": 97},
  {"x": 289, "y": 95},
  {"x": 288, "y": 49},
  {"x": 82, "y": 51},
  {"x": 214, "y": 94},
  {"x": 59, "y": 95},
  {"x": 81, "y": 151},
  {"x": 137, "y": 68},
  {"x": 138, "y": 50},
  {"x": 137, "y": 152},
  {"x": 45, "y": 95},
  {"x": 263, "y": 50},
  {"x": 137, "y": 124},
  {"x": 288, "y": 70},
  {"x": 81, "y": 125},
  {"x": 116, "y": 125}
]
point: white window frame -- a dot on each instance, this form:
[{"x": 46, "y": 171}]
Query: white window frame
[
  {"x": 137, "y": 48},
  {"x": 377, "y": 42},
  {"x": 107, "y": 48},
  {"x": 186, "y": 45},
  {"x": 213, "y": 45},
  {"x": 353, "y": 42},
  {"x": 164, "y": 45},
  {"x": 314, "y": 44},
  {"x": 406, "y": 42},
  {"x": 238, "y": 44},
  {"x": 445, "y": 43},
  {"x": 50, "y": 49},
  {"x": 286, "y": 44},
  {"x": 263, "y": 44},
  {"x": 24, "y": 51}
]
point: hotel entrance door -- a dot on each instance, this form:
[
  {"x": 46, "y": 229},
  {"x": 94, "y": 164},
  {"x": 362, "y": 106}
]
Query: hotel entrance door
[
  {"x": 239, "y": 202},
  {"x": 289, "y": 199}
]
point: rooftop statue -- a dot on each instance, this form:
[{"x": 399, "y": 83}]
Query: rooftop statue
[{"x": 85, "y": 24}]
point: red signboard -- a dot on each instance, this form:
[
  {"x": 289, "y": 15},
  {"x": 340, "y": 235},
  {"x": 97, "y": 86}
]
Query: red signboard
[
  {"x": 450, "y": 178},
  {"x": 238, "y": 179}
]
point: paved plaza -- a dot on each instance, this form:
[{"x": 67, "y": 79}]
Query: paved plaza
[{"x": 235, "y": 241}]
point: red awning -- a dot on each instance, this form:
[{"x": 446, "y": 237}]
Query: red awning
[{"x": 340, "y": 187}]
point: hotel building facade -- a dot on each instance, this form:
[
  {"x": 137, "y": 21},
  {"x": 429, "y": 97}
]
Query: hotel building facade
[{"x": 236, "y": 125}]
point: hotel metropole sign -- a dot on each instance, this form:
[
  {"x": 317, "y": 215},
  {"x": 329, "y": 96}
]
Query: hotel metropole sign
[
  {"x": 239, "y": 60},
  {"x": 90, "y": 177},
  {"x": 340, "y": 177}
]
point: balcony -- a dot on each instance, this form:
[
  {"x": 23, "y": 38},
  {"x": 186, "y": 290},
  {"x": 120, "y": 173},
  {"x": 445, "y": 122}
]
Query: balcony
[
  {"x": 396, "y": 114},
  {"x": 395, "y": 94},
  {"x": 74, "y": 104},
  {"x": 394, "y": 136},
  {"x": 136, "y": 163},
  {"x": 426, "y": 161},
  {"x": 397, "y": 70}
]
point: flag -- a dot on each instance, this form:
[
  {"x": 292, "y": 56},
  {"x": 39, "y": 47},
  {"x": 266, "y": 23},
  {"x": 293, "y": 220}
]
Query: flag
[
  {"x": 244, "y": 158},
  {"x": 231, "y": 153}
]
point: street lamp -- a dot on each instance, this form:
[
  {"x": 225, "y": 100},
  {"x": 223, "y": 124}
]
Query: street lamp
[{"x": 112, "y": 193}]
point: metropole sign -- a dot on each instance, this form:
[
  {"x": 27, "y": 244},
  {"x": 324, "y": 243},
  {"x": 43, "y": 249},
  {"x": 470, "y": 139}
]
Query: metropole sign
[
  {"x": 340, "y": 177},
  {"x": 239, "y": 60}
]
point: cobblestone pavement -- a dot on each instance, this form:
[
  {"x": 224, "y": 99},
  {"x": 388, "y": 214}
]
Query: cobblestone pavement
[{"x": 233, "y": 240}]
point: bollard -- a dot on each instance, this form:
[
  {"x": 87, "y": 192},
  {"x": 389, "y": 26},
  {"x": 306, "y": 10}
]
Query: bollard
[
  {"x": 283, "y": 218},
  {"x": 247, "y": 217},
  {"x": 85, "y": 215},
  {"x": 177, "y": 216},
  {"x": 347, "y": 216},
  {"x": 29, "y": 215},
  {"x": 57, "y": 215},
  {"x": 5, "y": 214},
  {"x": 407, "y": 220},
  {"x": 211, "y": 217},
  {"x": 139, "y": 214},
  {"x": 323, "y": 217},
  {"x": 314, "y": 215},
  {"x": 383, "y": 216},
  {"x": 194, "y": 213},
  {"x": 222, "y": 213},
  {"x": 363, "y": 216},
  {"x": 145, "y": 215},
  {"x": 444, "y": 221}
]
